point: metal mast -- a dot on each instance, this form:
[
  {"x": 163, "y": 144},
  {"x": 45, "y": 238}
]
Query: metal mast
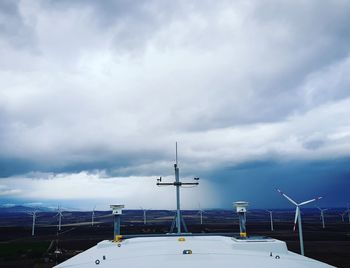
[
  {"x": 117, "y": 211},
  {"x": 177, "y": 183}
]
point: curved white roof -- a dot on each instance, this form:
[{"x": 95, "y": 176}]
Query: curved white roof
[{"x": 194, "y": 251}]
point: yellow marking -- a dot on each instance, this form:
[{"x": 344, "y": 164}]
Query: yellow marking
[
  {"x": 243, "y": 234},
  {"x": 118, "y": 238},
  {"x": 181, "y": 239}
]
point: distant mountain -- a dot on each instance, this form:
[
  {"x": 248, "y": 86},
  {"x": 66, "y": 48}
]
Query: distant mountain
[{"x": 21, "y": 209}]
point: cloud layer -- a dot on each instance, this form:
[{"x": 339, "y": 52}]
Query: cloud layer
[{"x": 111, "y": 85}]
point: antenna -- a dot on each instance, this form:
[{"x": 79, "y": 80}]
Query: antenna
[
  {"x": 298, "y": 217},
  {"x": 177, "y": 183},
  {"x": 176, "y": 153}
]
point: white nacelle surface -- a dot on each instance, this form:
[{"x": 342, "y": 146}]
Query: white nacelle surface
[{"x": 202, "y": 251}]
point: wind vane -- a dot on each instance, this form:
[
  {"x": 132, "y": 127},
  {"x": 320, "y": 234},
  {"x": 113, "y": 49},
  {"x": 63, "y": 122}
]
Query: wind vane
[{"x": 177, "y": 183}]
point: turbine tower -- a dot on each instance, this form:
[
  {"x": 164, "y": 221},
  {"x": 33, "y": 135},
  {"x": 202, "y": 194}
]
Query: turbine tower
[
  {"x": 322, "y": 216},
  {"x": 271, "y": 219},
  {"x": 144, "y": 215},
  {"x": 200, "y": 212},
  {"x": 93, "y": 216},
  {"x": 33, "y": 214},
  {"x": 60, "y": 216},
  {"x": 298, "y": 217},
  {"x": 177, "y": 183},
  {"x": 342, "y": 216}
]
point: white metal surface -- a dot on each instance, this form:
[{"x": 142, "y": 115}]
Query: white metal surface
[
  {"x": 117, "y": 209},
  {"x": 206, "y": 251},
  {"x": 241, "y": 206}
]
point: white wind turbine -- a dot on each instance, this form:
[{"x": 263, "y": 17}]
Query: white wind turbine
[
  {"x": 298, "y": 217},
  {"x": 271, "y": 219},
  {"x": 93, "y": 216},
  {"x": 33, "y": 214},
  {"x": 200, "y": 212},
  {"x": 342, "y": 216},
  {"x": 60, "y": 216},
  {"x": 144, "y": 215},
  {"x": 322, "y": 215}
]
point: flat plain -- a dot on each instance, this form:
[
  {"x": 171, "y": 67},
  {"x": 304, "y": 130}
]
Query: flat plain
[{"x": 18, "y": 248}]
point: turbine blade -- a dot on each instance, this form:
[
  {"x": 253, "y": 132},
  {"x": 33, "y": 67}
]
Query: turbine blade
[
  {"x": 309, "y": 201},
  {"x": 286, "y": 196},
  {"x": 296, "y": 218}
]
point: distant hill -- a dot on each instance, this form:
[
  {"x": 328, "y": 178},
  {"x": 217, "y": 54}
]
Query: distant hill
[{"x": 21, "y": 209}]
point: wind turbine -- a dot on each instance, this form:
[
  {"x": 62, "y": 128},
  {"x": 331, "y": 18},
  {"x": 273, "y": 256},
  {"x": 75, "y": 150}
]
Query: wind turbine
[
  {"x": 322, "y": 215},
  {"x": 348, "y": 211},
  {"x": 271, "y": 219},
  {"x": 200, "y": 212},
  {"x": 342, "y": 216},
  {"x": 59, "y": 214},
  {"x": 34, "y": 218},
  {"x": 93, "y": 216},
  {"x": 298, "y": 217},
  {"x": 144, "y": 215}
]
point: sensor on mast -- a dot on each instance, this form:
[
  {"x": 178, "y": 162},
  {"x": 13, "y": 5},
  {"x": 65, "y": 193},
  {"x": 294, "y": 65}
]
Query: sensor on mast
[{"x": 177, "y": 183}]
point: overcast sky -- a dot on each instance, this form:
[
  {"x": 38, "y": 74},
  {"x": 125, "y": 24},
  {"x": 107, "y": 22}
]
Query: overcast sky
[{"x": 94, "y": 94}]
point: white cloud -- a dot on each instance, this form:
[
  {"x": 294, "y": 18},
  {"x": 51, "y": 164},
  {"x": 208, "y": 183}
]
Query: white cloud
[
  {"x": 8, "y": 190},
  {"x": 231, "y": 81},
  {"x": 88, "y": 189}
]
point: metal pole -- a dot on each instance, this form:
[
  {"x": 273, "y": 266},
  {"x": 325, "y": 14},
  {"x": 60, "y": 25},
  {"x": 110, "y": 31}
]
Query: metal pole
[
  {"x": 144, "y": 217},
  {"x": 116, "y": 225},
  {"x": 178, "y": 184},
  {"x": 242, "y": 226},
  {"x": 300, "y": 233},
  {"x": 178, "y": 212},
  {"x": 271, "y": 220},
  {"x": 201, "y": 217}
]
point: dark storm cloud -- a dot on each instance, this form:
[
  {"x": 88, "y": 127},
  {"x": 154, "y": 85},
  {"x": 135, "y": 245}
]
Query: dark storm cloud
[{"x": 257, "y": 181}]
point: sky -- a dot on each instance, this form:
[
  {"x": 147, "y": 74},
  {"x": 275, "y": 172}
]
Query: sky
[{"x": 94, "y": 95}]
